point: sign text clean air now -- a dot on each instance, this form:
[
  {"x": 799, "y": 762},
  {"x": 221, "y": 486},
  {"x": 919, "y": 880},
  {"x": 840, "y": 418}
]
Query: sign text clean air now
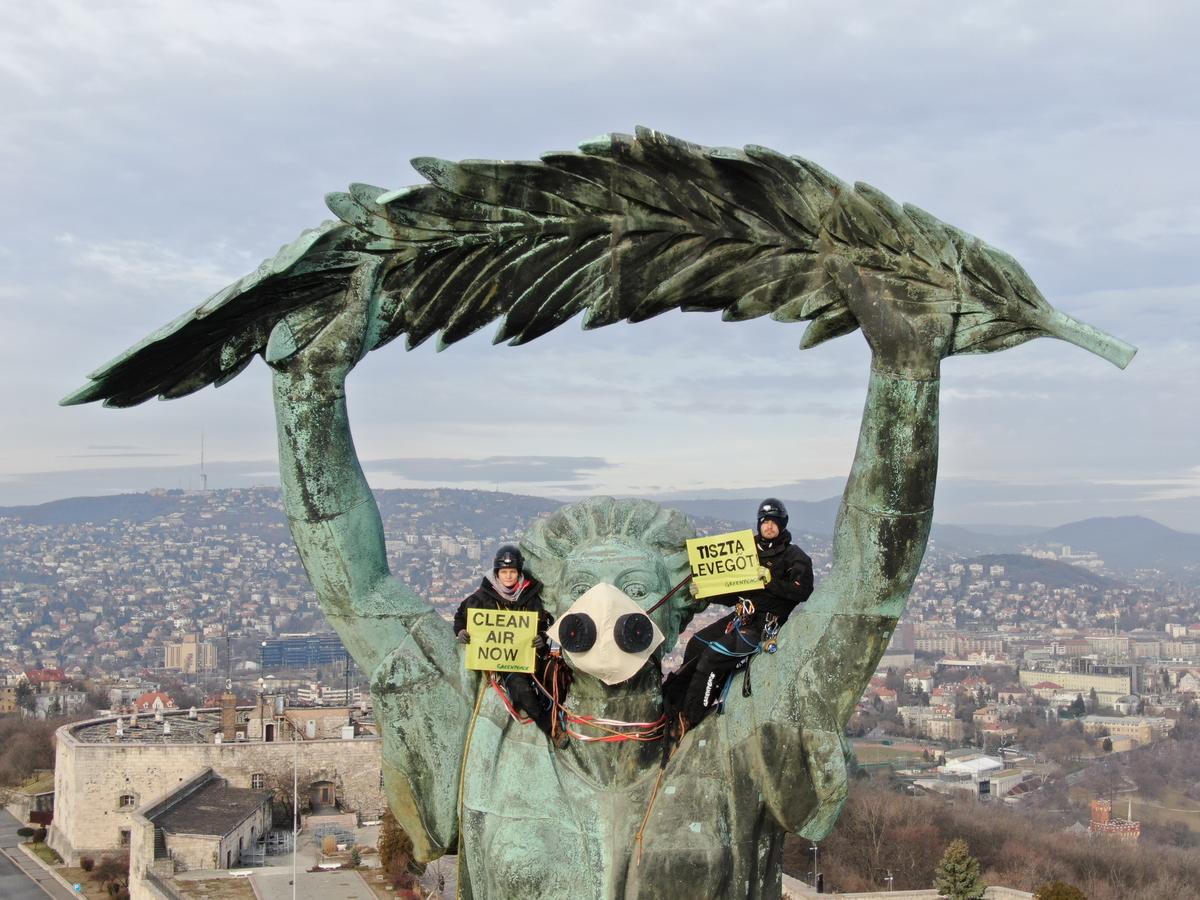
[{"x": 501, "y": 641}]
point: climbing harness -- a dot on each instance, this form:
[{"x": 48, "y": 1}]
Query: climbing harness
[
  {"x": 742, "y": 612},
  {"x": 767, "y": 642},
  {"x": 770, "y": 641}
]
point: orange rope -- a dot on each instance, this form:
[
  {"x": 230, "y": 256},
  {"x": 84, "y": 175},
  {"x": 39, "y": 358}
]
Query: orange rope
[
  {"x": 615, "y": 731},
  {"x": 649, "y": 807},
  {"x": 503, "y": 694}
]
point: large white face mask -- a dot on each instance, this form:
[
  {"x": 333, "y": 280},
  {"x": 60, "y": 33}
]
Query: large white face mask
[{"x": 606, "y": 634}]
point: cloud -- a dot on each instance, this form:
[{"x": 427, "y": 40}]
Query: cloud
[
  {"x": 124, "y": 454},
  {"x": 147, "y": 265},
  {"x": 507, "y": 469},
  {"x": 169, "y": 147}
]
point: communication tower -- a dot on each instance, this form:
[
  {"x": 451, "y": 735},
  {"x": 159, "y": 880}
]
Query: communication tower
[{"x": 203, "y": 474}]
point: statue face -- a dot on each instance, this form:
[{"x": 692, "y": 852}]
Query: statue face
[
  {"x": 636, "y": 569},
  {"x": 606, "y": 635},
  {"x": 634, "y": 545}
]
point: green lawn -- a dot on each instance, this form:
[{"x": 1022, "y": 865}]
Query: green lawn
[
  {"x": 39, "y": 784},
  {"x": 878, "y": 754},
  {"x": 45, "y": 854},
  {"x": 1172, "y": 806}
]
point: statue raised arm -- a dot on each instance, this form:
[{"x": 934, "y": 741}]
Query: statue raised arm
[
  {"x": 418, "y": 681},
  {"x": 625, "y": 229},
  {"x": 805, "y": 696}
]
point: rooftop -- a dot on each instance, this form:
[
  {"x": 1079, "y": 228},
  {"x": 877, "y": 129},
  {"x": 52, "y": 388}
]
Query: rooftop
[
  {"x": 184, "y": 730},
  {"x": 200, "y": 730},
  {"x": 214, "y": 808},
  {"x": 973, "y": 766},
  {"x": 1124, "y": 720}
]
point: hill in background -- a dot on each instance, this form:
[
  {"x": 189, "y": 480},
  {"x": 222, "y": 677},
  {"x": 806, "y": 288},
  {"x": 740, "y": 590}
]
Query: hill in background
[
  {"x": 1127, "y": 542},
  {"x": 77, "y": 510},
  {"x": 1123, "y": 542},
  {"x": 1052, "y": 573}
]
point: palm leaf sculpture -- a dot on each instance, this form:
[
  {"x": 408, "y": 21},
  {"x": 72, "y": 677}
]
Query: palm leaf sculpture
[{"x": 624, "y": 229}]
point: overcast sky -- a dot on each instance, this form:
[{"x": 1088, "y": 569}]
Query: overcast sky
[{"x": 152, "y": 152}]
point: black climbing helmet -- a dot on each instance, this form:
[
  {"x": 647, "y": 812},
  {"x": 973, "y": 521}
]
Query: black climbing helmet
[
  {"x": 773, "y": 509},
  {"x": 508, "y": 557}
]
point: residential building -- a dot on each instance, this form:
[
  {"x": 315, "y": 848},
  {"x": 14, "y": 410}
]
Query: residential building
[
  {"x": 1143, "y": 729},
  {"x": 190, "y": 656}
]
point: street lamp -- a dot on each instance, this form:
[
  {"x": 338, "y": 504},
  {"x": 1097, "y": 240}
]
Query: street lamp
[{"x": 295, "y": 811}]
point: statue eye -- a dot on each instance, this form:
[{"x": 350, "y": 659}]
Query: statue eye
[{"x": 635, "y": 589}]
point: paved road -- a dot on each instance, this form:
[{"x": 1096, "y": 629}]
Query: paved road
[
  {"x": 276, "y": 884},
  {"x": 274, "y": 881},
  {"x": 20, "y": 877},
  {"x": 446, "y": 886}
]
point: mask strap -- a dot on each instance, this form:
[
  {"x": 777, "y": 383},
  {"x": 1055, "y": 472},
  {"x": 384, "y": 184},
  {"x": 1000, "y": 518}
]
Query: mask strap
[{"x": 669, "y": 594}]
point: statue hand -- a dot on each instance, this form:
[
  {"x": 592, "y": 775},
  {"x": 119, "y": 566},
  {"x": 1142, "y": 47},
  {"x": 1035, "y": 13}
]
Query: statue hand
[
  {"x": 321, "y": 343},
  {"x": 909, "y": 333}
]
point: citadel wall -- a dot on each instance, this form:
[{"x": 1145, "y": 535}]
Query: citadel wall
[{"x": 91, "y": 778}]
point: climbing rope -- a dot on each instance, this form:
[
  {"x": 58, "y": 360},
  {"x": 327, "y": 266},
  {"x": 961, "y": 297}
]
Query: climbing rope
[
  {"x": 611, "y": 730},
  {"x": 503, "y": 695},
  {"x": 669, "y": 594},
  {"x": 617, "y": 730}
]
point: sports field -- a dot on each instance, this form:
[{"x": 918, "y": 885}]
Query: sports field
[{"x": 898, "y": 754}]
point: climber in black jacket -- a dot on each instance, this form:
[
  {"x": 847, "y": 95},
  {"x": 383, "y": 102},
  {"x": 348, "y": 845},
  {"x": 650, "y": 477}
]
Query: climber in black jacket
[
  {"x": 508, "y": 587},
  {"x": 714, "y": 652}
]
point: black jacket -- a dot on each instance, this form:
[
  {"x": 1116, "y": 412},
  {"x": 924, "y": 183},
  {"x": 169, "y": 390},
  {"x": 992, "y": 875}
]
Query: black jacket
[
  {"x": 485, "y": 597},
  {"x": 791, "y": 579}
]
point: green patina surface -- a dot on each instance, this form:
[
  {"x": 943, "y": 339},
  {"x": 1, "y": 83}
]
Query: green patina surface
[{"x": 624, "y": 229}]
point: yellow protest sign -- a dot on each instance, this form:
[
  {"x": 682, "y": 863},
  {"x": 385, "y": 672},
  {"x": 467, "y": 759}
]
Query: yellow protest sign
[
  {"x": 501, "y": 641},
  {"x": 722, "y": 563}
]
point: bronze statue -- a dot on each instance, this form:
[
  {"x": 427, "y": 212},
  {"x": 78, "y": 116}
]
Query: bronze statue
[{"x": 624, "y": 229}]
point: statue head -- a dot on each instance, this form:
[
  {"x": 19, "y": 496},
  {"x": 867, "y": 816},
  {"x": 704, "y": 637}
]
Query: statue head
[{"x": 636, "y": 545}]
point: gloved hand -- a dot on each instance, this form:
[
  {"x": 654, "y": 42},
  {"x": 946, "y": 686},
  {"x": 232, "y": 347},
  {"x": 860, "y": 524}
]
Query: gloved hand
[
  {"x": 539, "y": 641},
  {"x": 693, "y": 590},
  {"x": 765, "y": 574},
  {"x": 464, "y": 637}
]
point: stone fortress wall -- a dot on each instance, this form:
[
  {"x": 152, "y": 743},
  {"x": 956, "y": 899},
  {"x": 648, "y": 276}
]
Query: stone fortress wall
[{"x": 94, "y": 781}]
